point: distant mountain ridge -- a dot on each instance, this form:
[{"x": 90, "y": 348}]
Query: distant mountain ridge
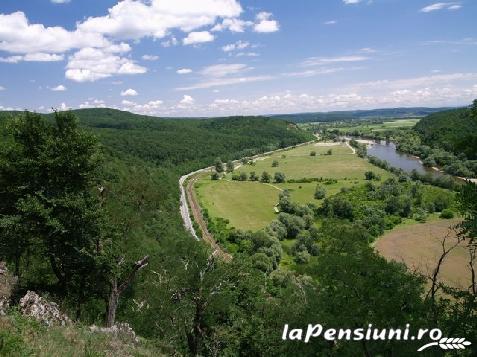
[{"x": 386, "y": 113}]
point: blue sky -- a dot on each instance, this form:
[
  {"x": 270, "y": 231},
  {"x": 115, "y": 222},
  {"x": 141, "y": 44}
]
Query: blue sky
[{"x": 227, "y": 57}]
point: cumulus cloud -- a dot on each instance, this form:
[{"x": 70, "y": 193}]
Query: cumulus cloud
[
  {"x": 131, "y": 19},
  {"x": 264, "y": 23},
  {"x": 351, "y": 2},
  {"x": 239, "y": 45},
  {"x": 60, "y": 1},
  {"x": 93, "y": 103},
  {"x": 233, "y": 25},
  {"x": 90, "y": 64},
  {"x": 2, "y": 88},
  {"x": 198, "y": 37},
  {"x": 441, "y": 6},
  {"x": 187, "y": 100},
  {"x": 184, "y": 71},
  {"x": 149, "y": 108},
  {"x": 17, "y": 35},
  {"x": 331, "y": 22},
  {"x": 59, "y": 88},
  {"x": 129, "y": 93}
]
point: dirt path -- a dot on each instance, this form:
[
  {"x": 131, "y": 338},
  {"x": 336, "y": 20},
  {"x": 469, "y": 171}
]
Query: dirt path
[
  {"x": 352, "y": 148},
  {"x": 199, "y": 219}
]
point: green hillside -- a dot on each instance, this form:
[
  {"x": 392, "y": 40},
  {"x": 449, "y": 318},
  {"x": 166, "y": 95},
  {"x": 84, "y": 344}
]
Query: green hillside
[{"x": 453, "y": 130}]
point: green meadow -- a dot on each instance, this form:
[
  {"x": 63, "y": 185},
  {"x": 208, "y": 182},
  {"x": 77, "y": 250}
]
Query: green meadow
[{"x": 250, "y": 205}]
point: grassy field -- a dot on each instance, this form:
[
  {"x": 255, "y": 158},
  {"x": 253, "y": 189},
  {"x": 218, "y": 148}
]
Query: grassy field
[
  {"x": 250, "y": 205},
  {"x": 419, "y": 247},
  {"x": 369, "y": 127}
]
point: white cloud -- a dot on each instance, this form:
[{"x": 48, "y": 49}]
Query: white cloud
[
  {"x": 17, "y": 35},
  {"x": 136, "y": 19},
  {"x": 129, "y": 93},
  {"x": 60, "y": 1},
  {"x": 184, "y": 71},
  {"x": 264, "y": 23},
  {"x": 223, "y": 75},
  {"x": 247, "y": 54},
  {"x": 222, "y": 70},
  {"x": 187, "y": 100},
  {"x": 441, "y": 6},
  {"x": 33, "y": 57},
  {"x": 171, "y": 42},
  {"x": 198, "y": 37},
  {"x": 93, "y": 103},
  {"x": 239, "y": 45},
  {"x": 150, "y": 58},
  {"x": 331, "y": 22},
  {"x": 233, "y": 25},
  {"x": 2, "y": 88},
  {"x": 468, "y": 41},
  {"x": 351, "y": 2},
  {"x": 59, "y": 88},
  {"x": 91, "y": 64},
  {"x": 317, "y": 61}
]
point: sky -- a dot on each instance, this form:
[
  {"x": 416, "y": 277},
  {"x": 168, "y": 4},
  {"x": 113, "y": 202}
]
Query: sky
[{"x": 236, "y": 57}]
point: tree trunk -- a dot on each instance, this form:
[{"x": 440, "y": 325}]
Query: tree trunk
[{"x": 112, "y": 304}]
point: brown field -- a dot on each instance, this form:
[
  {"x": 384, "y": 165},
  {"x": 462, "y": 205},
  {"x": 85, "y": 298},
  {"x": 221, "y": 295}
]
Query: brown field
[{"x": 419, "y": 247}]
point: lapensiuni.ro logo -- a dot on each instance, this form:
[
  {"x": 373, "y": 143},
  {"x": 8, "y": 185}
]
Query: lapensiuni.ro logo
[{"x": 375, "y": 334}]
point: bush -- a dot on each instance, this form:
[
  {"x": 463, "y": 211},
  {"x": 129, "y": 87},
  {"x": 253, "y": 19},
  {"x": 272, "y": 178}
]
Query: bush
[
  {"x": 279, "y": 177},
  {"x": 275, "y": 163},
  {"x": 215, "y": 176},
  {"x": 312, "y": 153},
  {"x": 320, "y": 192},
  {"x": 447, "y": 214},
  {"x": 265, "y": 177},
  {"x": 302, "y": 257},
  {"x": 253, "y": 176},
  {"x": 243, "y": 176}
]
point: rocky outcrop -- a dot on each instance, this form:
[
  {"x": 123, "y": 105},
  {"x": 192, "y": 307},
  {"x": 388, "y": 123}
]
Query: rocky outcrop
[
  {"x": 42, "y": 310},
  {"x": 120, "y": 330}
]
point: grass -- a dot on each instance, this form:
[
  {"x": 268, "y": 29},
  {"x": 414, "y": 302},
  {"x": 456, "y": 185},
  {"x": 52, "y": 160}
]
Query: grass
[
  {"x": 21, "y": 336},
  {"x": 250, "y": 205},
  {"x": 367, "y": 127}
]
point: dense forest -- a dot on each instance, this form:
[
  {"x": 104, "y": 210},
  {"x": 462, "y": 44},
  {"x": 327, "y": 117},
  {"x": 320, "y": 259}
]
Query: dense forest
[
  {"x": 89, "y": 217},
  {"x": 453, "y": 130}
]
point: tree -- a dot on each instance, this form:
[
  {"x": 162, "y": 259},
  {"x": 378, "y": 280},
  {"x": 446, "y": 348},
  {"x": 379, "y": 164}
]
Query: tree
[
  {"x": 219, "y": 166},
  {"x": 320, "y": 192},
  {"x": 275, "y": 163},
  {"x": 312, "y": 153},
  {"x": 215, "y": 176},
  {"x": 230, "y": 166},
  {"x": 370, "y": 175},
  {"x": 329, "y": 152},
  {"x": 243, "y": 176},
  {"x": 279, "y": 177},
  {"x": 253, "y": 176},
  {"x": 265, "y": 177},
  {"x": 50, "y": 201}
]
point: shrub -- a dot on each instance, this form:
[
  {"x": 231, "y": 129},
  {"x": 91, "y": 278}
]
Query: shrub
[
  {"x": 302, "y": 257},
  {"x": 320, "y": 192},
  {"x": 447, "y": 213},
  {"x": 275, "y": 163},
  {"x": 312, "y": 153},
  {"x": 215, "y": 176},
  {"x": 279, "y": 177}
]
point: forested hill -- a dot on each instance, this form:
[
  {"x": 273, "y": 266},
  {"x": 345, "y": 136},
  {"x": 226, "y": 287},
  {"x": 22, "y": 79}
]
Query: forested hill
[
  {"x": 186, "y": 144},
  {"x": 387, "y": 113},
  {"x": 453, "y": 130}
]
